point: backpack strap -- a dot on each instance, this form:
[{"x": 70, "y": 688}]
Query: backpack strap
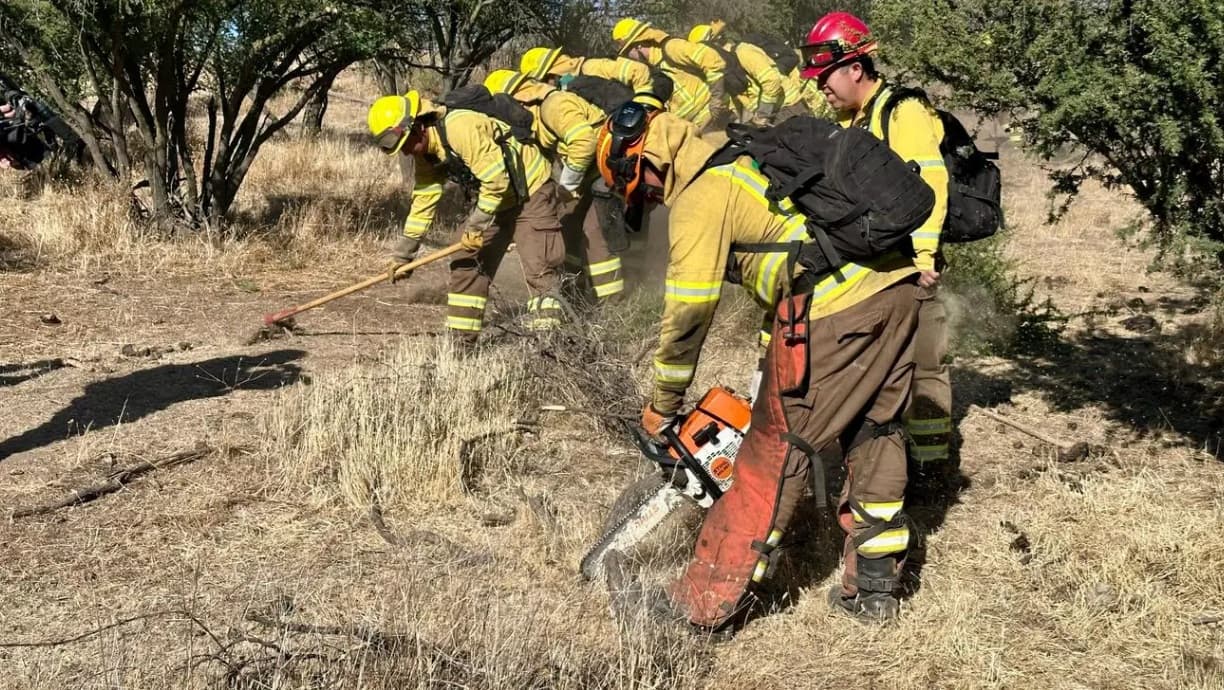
[{"x": 893, "y": 97}]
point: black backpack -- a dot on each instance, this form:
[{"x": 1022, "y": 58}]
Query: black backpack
[
  {"x": 606, "y": 94},
  {"x": 860, "y": 199},
  {"x": 783, "y": 55},
  {"x": 975, "y": 185},
  {"x": 735, "y": 78},
  {"x": 499, "y": 106}
]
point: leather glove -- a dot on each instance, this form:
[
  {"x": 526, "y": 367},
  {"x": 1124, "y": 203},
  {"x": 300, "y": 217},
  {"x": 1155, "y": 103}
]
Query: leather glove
[
  {"x": 403, "y": 252},
  {"x": 654, "y": 422},
  {"x": 570, "y": 180},
  {"x": 472, "y": 239}
]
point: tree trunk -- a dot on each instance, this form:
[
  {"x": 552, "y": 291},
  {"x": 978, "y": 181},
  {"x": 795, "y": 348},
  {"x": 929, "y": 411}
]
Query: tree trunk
[
  {"x": 389, "y": 78},
  {"x": 316, "y": 109}
]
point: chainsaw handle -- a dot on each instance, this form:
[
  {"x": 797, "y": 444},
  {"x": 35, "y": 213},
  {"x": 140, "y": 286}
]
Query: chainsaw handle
[{"x": 692, "y": 463}]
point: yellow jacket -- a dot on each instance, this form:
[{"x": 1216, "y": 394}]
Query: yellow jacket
[
  {"x": 914, "y": 133},
  {"x": 765, "y": 85},
  {"x": 725, "y": 205},
  {"x": 565, "y": 123},
  {"x": 690, "y": 99},
  {"x": 632, "y": 73},
  {"x": 679, "y": 55},
  {"x": 474, "y": 138}
]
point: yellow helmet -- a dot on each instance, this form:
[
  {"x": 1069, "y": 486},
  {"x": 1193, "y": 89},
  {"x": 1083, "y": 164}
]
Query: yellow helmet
[
  {"x": 627, "y": 31},
  {"x": 390, "y": 120},
  {"x": 505, "y": 81},
  {"x": 701, "y": 33},
  {"x": 537, "y": 61}
]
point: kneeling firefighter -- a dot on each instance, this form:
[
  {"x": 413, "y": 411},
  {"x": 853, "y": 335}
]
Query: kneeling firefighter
[
  {"x": 567, "y": 126},
  {"x": 516, "y": 200},
  {"x": 838, "y": 367}
]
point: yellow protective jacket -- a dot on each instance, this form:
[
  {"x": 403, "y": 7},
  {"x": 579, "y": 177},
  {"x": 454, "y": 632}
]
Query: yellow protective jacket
[
  {"x": 679, "y": 55},
  {"x": 565, "y": 123},
  {"x": 632, "y": 73},
  {"x": 765, "y": 83},
  {"x": 721, "y": 206},
  {"x": 914, "y": 133},
  {"x": 690, "y": 99},
  {"x": 492, "y": 155}
]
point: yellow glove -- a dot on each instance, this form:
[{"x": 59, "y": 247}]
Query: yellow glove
[{"x": 472, "y": 239}]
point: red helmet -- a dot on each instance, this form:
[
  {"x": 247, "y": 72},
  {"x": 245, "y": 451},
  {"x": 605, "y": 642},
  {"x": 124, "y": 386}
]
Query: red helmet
[{"x": 837, "y": 38}]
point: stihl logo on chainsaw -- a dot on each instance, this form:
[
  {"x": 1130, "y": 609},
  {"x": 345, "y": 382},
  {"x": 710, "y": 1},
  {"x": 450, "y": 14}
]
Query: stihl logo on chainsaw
[{"x": 696, "y": 461}]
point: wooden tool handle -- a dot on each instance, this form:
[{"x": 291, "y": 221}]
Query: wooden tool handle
[{"x": 272, "y": 319}]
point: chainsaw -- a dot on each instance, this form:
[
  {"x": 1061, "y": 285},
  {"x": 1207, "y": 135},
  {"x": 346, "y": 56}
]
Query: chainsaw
[{"x": 695, "y": 462}]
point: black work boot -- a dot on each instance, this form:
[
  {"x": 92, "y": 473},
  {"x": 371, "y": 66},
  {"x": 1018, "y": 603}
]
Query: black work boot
[
  {"x": 868, "y": 607},
  {"x": 874, "y": 602}
]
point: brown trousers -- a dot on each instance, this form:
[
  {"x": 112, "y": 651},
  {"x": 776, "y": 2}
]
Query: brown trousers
[
  {"x": 929, "y": 418},
  {"x": 825, "y": 380},
  {"x": 536, "y": 231},
  {"x": 586, "y": 248}
]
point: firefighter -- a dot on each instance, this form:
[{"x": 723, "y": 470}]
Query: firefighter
[
  {"x": 550, "y": 64},
  {"x": 677, "y": 56},
  {"x": 567, "y": 126},
  {"x": 689, "y": 96},
  {"x": 838, "y": 368},
  {"x": 804, "y": 97},
  {"x": 516, "y": 202},
  {"x": 838, "y": 57},
  {"x": 765, "y": 94}
]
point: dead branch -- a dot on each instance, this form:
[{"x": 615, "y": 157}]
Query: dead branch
[
  {"x": 465, "y": 556},
  {"x": 416, "y": 536},
  {"x": 116, "y": 482},
  {"x": 1067, "y": 452},
  {"x": 1018, "y": 426},
  {"x": 96, "y": 631}
]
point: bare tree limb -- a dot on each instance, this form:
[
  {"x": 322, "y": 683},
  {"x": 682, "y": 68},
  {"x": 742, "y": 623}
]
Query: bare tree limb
[{"x": 117, "y": 481}]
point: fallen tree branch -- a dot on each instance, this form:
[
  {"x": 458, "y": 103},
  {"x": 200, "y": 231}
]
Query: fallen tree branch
[
  {"x": 116, "y": 482},
  {"x": 416, "y": 537},
  {"x": 1067, "y": 452},
  {"x": 96, "y": 631}
]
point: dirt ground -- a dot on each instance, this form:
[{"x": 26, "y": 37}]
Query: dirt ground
[{"x": 254, "y": 567}]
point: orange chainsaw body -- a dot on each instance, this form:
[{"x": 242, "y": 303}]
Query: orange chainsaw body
[{"x": 713, "y": 431}]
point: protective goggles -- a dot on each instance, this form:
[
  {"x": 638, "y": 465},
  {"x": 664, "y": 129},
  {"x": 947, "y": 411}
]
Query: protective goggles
[
  {"x": 824, "y": 54},
  {"x": 392, "y": 140}
]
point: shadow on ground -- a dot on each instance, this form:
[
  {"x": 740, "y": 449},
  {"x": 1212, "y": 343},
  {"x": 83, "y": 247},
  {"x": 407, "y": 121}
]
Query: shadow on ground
[
  {"x": 127, "y": 398},
  {"x": 1147, "y": 379}
]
